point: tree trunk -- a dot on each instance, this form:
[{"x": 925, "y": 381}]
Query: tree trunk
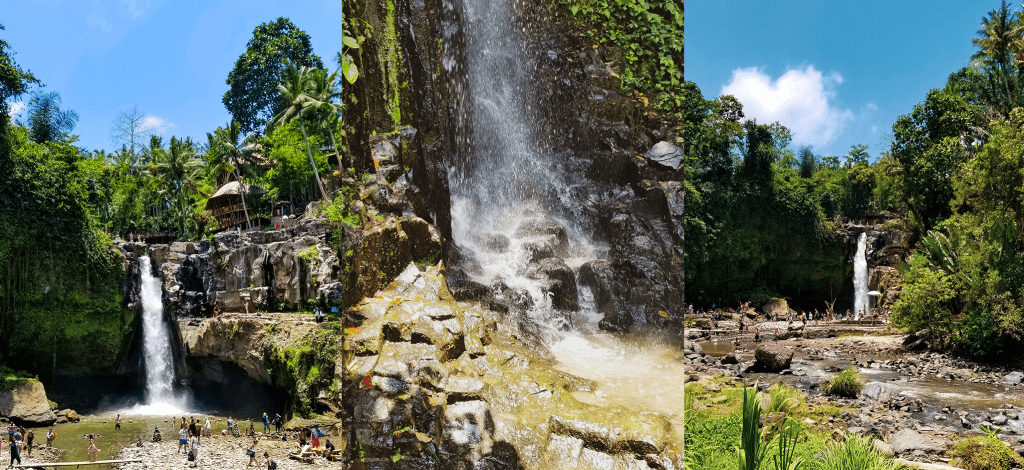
[
  {"x": 241, "y": 191},
  {"x": 319, "y": 184}
]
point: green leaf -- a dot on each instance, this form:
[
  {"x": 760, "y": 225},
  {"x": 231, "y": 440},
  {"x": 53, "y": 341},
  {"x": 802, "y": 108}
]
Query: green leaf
[
  {"x": 350, "y": 41},
  {"x": 350, "y": 71}
]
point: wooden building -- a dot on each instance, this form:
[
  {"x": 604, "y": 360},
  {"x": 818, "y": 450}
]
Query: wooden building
[{"x": 226, "y": 204}]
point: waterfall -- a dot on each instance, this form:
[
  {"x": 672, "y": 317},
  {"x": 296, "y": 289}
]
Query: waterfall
[
  {"x": 860, "y": 278},
  {"x": 159, "y": 359},
  {"x": 503, "y": 175}
]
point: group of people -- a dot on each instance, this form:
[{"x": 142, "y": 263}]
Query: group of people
[
  {"x": 309, "y": 441},
  {"x": 189, "y": 433},
  {"x": 277, "y": 421}
]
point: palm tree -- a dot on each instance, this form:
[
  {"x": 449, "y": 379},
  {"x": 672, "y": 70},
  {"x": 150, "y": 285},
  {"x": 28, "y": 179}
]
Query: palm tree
[
  {"x": 999, "y": 41},
  {"x": 321, "y": 98},
  {"x": 295, "y": 89},
  {"x": 175, "y": 171},
  {"x": 46, "y": 121}
]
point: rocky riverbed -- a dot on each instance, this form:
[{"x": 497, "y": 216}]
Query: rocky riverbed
[
  {"x": 918, "y": 401},
  {"x": 216, "y": 452}
]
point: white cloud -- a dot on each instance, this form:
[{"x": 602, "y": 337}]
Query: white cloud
[
  {"x": 799, "y": 99},
  {"x": 95, "y": 21},
  {"x": 17, "y": 108},
  {"x": 136, "y": 7},
  {"x": 154, "y": 125}
]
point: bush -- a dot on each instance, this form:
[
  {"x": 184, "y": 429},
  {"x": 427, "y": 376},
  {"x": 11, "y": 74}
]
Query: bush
[
  {"x": 846, "y": 384},
  {"x": 978, "y": 453},
  {"x": 854, "y": 454}
]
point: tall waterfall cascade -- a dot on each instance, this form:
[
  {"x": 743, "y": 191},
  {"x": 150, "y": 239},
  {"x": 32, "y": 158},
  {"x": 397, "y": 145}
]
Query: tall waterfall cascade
[
  {"x": 159, "y": 360},
  {"x": 860, "y": 278},
  {"x": 506, "y": 177}
]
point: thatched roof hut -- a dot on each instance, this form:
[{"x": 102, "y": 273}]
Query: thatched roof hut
[{"x": 226, "y": 203}]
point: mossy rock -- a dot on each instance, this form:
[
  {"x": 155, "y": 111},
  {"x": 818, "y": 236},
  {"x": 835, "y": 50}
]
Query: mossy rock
[{"x": 984, "y": 453}]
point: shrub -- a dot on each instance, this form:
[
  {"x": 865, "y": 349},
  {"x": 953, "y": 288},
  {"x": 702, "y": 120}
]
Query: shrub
[
  {"x": 854, "y": 454},
  {"x": 783, "y": 399},
  {"x": 846, "y": 384},
  {"x": 987, "y": 453}
]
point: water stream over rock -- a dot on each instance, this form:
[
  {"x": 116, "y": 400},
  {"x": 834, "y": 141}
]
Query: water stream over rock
[
  {"x": 860, "y": 278},
  {"x": 160, "y": 396}
]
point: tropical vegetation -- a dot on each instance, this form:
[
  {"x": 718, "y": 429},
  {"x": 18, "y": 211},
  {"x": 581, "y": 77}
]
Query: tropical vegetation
[{"x": 762, "y": 219}]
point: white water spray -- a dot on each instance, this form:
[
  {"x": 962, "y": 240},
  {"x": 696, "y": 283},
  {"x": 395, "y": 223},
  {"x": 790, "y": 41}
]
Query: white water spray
[
  {"x": 160, "y": 397},
  {"x": 860, "y": 278}
]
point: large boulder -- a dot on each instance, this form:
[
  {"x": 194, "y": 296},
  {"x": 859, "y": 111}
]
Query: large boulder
[
  {"x": 775, "y": 307},
  {"x": 773, "y": 357},
  {"x": 25, "y": 403},
  {"x": 909, "y": 441}
]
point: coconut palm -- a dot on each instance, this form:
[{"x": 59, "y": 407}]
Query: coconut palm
[
  {"x": 46, "y": 121},
  {"x": 175, "y": 171},
  {"x": 1001, "y": 39},
  {"x": 321, "y": 98},
  {"x": 296, "y": 88}
]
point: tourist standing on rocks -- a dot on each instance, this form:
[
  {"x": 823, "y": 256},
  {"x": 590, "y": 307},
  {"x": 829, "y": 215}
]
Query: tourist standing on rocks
[
  {"x": 29, "y": 437},
  {"x": 271, "y": 464},
  {"x": 50, "y": 436},
  {"x": 266, "y": 423},
  {"x": 193, "y": 454},
  {"x": 206, "y": 427},
  {"x": 251, "y": 452},
  {"x": 14, "y": 450},
  {"x": 278, "y": 421},
  {"x": 93, "y": 451},
  {"x": 117, "y": 424},
  {"x": 182, "y": 440}
]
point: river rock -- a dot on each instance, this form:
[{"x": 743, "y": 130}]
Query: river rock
[
  {"x": 908, "y": 441},
  {"x": 880, "y": 392},
  {"x": 25, "y": 403},
  {"x": 917, "y": 341},
  {"x": 1013, "y": 378},
  {"x": 773, "y": 357}
]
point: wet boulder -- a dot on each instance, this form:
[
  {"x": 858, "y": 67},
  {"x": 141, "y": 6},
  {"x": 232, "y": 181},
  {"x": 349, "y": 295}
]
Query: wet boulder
[
  {"x": 918, "y": 340},
  {"x": 773, "y": 357},
  {"x": 558, "y": 281},
  {"x": 493, "y": 242},
  {"x": 544, "y": 228}
]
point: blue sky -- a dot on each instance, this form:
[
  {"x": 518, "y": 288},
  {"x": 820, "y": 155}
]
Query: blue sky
[
  {"x": 837, "y": 73},
  {"x": 168, "y": 57}
]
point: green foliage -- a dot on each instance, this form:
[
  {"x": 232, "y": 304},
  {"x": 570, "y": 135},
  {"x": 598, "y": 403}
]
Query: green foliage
[
  {"x": 10, "y": 378},
  {"x": 755, "y": 227},
  {"x": 649, "y": 36},
  {"x": 752, "y": 450},
  {"x": 253, "y": 97},
  {"x": 846, "y": 384},
  {"x": 984, "y": 453},
  {"x": 60, "y": 278},
  {"x": 855, "y": 453},
  {"x": 306, "y": 368},
  {"x": 14, "y": 82},
  {"x": 291, "y": 174}
]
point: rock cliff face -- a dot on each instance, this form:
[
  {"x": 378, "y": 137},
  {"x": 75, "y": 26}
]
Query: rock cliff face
[{"x": 626, "y": 162}]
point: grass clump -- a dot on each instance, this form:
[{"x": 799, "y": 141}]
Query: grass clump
[
  {"x": 984, "y": 453},
  {"x": 854, "y": 454},
  {"x": 846, "y": 384}
]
